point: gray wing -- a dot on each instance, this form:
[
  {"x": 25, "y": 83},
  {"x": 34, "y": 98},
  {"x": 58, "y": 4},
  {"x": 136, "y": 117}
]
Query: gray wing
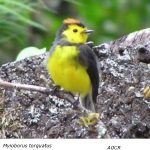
[{"x": 89, "y": 60}]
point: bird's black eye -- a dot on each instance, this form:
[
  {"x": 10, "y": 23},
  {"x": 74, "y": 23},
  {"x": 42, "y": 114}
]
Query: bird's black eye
[{"x": 75, "y": 30}]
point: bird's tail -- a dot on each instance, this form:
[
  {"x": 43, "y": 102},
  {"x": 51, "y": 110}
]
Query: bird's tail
[{"x": 87, "y": 102}]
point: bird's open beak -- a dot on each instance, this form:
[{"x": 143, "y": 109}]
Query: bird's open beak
[{"x": 88, "y": 31}]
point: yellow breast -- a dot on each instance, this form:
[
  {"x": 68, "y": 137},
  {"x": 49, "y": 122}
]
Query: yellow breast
[{"x": 67, "y": 72}]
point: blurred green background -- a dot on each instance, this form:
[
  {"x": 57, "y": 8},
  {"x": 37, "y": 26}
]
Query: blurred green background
[{"x": 25, "y": 23}]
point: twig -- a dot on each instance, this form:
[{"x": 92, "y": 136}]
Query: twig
[
  {"x": 24, "y": 86},
  {"x": 53, "y": 92}
]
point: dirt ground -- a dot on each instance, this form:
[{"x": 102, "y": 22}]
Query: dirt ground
[{"x": 124, "y": 112}]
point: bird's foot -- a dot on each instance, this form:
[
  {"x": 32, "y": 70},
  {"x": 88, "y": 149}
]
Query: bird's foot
[
  {"x": 89, "y": 120},
  {"x": 146, "y": 92}
]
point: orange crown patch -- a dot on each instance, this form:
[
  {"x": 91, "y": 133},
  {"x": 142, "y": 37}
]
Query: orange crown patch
[{"x": 71, "y": 21}]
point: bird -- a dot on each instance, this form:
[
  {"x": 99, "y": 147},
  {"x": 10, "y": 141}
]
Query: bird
[{"x": 72, "y": 64}]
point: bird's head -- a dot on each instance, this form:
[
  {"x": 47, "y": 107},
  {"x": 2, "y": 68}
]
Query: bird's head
[{"x": 73, "y": 31}]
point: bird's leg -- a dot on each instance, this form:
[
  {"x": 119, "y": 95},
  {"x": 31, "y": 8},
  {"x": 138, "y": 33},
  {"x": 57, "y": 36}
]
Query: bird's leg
[{"x": 90, "y": 118}]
